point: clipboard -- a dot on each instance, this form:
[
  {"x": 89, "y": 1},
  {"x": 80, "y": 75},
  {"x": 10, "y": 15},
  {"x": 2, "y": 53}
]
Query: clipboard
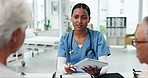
[{"x": 91, "y": 62}]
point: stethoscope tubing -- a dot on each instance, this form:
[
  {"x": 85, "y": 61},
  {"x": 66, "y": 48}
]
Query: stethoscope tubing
[{"x": 71, "y": 50}]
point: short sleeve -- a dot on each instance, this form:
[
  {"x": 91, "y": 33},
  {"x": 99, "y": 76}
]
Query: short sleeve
[
  {"x": 61, "y": 50},
  {"x": 102, "y": 46}
]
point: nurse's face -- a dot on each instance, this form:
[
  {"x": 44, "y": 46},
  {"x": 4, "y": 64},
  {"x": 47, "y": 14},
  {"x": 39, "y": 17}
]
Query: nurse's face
[
  {"x": 80, "y": 19},
  {"x": 142, "y": 48}
]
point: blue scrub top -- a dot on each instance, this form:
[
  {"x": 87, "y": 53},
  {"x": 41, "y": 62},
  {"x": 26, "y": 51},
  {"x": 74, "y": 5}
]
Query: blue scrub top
[{"x": 98, "y": 42}]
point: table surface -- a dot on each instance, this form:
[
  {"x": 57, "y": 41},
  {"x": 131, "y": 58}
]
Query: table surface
[{"x": 75, "y": 75}]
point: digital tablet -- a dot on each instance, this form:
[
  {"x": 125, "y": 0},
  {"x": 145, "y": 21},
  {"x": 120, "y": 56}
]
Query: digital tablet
[{"x": 91, "y": 62}]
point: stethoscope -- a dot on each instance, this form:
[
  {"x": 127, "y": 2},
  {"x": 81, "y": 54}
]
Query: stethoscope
[{"x": 71, "y": 52}]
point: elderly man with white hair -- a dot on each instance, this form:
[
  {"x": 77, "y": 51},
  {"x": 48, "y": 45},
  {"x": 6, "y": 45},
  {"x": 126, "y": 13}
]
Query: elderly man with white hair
[
  {"x": 15, "y": 15},
  {"x": 141, "y": 44}
]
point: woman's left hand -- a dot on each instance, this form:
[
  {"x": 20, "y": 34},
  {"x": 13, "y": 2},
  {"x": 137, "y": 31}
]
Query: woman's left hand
[{"x": 95, "y": 71}]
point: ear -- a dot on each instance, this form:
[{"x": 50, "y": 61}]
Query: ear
[
  {"x": 15, "y": 35},
  {"x": 13, "y": 43}
]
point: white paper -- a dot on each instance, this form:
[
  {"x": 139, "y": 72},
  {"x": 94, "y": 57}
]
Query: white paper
[{"x": 91, "y": 62}]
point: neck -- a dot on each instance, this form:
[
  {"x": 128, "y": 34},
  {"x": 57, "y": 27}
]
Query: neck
[
  {"x": 3, "y": 56},
  {"x": 80, "y": 34}
]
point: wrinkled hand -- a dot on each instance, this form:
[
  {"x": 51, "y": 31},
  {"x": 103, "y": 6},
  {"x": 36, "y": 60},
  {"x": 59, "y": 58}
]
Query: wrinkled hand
[
  {"x": 70, "y": 68},
  {"x": 95, "y": 71}
]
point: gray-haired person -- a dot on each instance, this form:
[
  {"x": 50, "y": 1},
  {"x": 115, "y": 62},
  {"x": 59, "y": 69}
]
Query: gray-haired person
[
  {"x": 141, "y": 44},
  {"x": 15, "y": 15}
]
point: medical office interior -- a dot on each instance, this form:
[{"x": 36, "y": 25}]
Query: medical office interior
[{"x": 115, "y": 19}]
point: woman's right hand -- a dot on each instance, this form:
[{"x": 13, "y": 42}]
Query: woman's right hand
[{"x": 69, "y": 68}]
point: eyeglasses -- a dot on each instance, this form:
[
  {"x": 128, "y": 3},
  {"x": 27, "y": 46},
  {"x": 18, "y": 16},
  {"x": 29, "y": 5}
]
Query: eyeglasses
[{"x": 135, "y": 42}]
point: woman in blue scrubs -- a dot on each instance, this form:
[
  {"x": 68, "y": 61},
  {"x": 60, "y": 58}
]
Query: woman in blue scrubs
[{"x": 81, "y": 43}]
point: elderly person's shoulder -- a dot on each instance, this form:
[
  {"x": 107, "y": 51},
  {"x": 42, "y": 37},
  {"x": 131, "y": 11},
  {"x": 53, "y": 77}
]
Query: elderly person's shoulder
[
  {"x": 144, "y": 74},
  {"x": 7, "y": 73}
]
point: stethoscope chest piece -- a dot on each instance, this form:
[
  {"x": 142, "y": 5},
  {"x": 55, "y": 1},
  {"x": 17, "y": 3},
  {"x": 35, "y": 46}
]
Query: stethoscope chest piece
[{"x": 71, "y": 52}]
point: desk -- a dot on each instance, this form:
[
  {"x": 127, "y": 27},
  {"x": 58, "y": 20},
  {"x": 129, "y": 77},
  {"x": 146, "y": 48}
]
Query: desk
[
  {"x": 127, "y": 74},
  {"x": 75, "y": 75},
  {"x": 49, "y": 75}
]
